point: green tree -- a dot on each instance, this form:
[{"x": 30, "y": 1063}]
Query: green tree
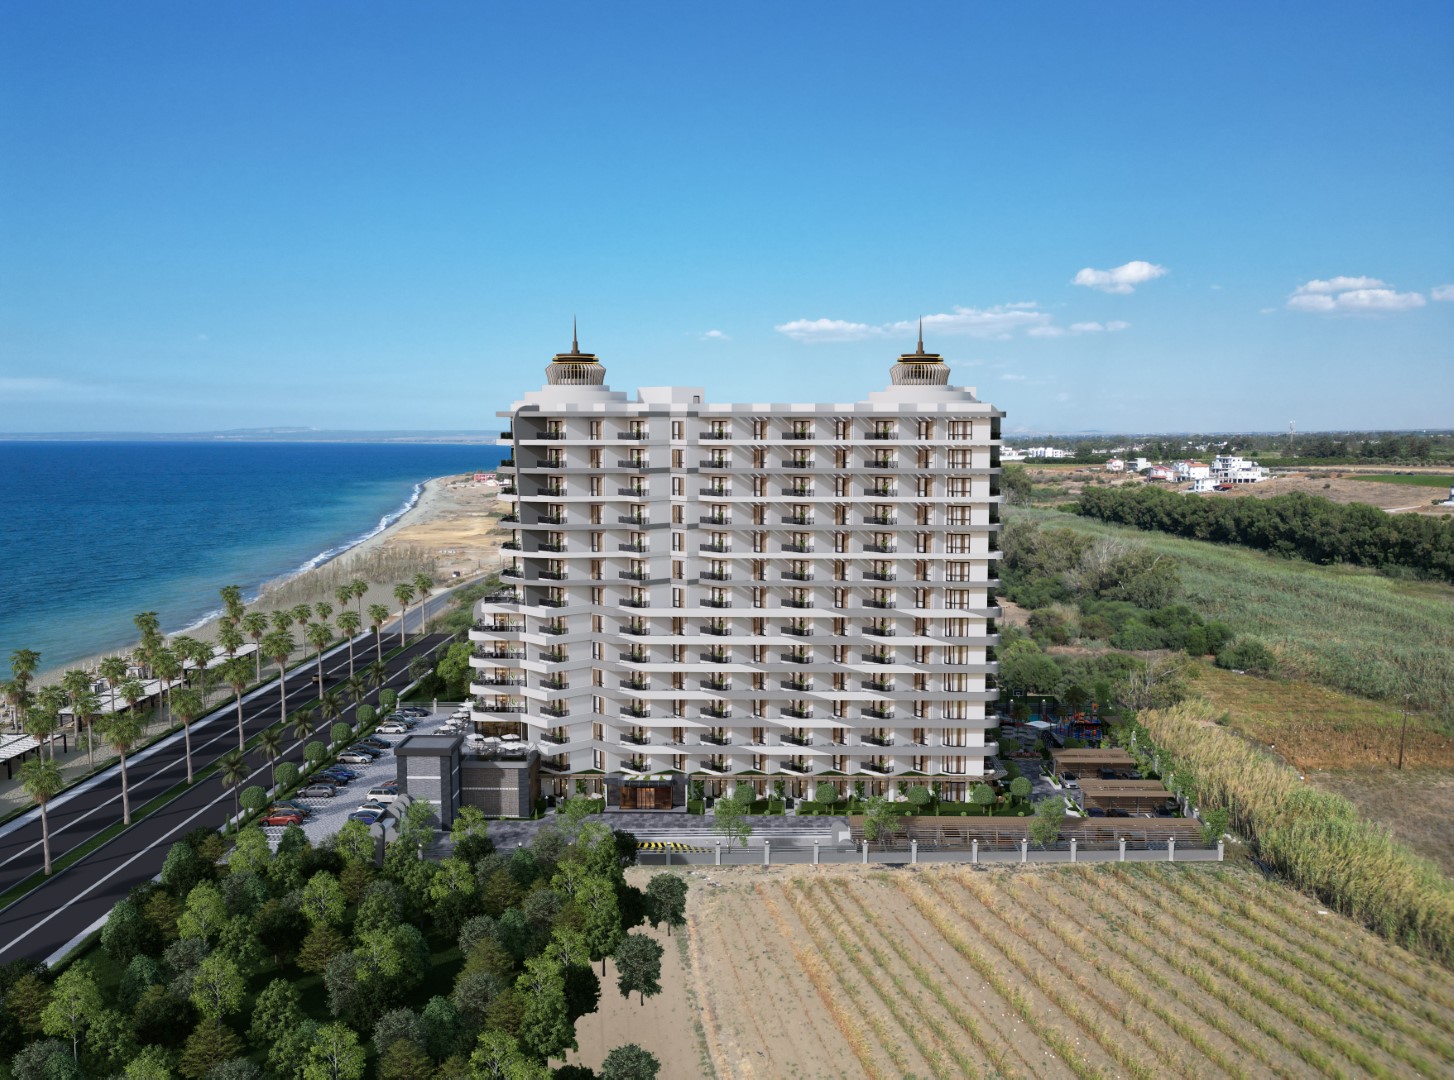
[
  {"x": 729, "y": 818},
  {"x": 1021, "y": 787},
  {"x": 1214, "y": 825},
  {"x": 1045, "y": 825},
  {"x": 602, "y": 923},
  {"x": 123, "y": 731},
  {"x": 666, "y": 900},
  {"x": 348, "y": 623},
  {"x": 919, "y": 797},
  {"x": 217, "y": 988},
  {"x": 319, "y": 635},
  {"x": 354, "y": 844},
  {"x": 277, "y": 1008},
  {"x": 279, "y": 645},
  {"x": 319, "y": 948},
  {"x": 323, "y": 900},
  {"x": 270, "y": 742},
  {"x": 498, "y": 1056},
  {"x": 41, "y": 780},
  {"x": 233, "y": 770},
  {"x": 982, "y": 796},
  {"x": 236, "y": 674},
  {"x": 285, "y": 775},
  {"x": 255, "y": 625},
  {"x": 254, "y": 798},
  {"x": 187, "y": 705},
  {"x": 334, "y": 1055},
  {"x": 404, "y": 1060},
  {"x": 629, "y": 1062},
  {"x": 74, "y": 1000},
  {"x": 638, "y": 966},
  {"x": 454, "y": 669},
  {"x": 340, "y": 733},
  {"x": 881, "y": 819},
  {"x": 210, "y": 1044},
  {"x": 204, "y": 914},
  {"x": 545, "y": 1027},
  {"x": 152, "y": 1063},
  {"x": 404, "y": 594}
]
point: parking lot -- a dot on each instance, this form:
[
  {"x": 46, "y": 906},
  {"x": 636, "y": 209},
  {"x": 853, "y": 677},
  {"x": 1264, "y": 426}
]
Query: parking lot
[{"x": 327, "y": 816}]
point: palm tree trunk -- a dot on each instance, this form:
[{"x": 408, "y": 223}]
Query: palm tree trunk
[
  {"x": 403, "y": 618},
  {"x": 258, "y": 656},
  {"x": 45, "y": 836},
  {"x": 283, "y": 701},
  {"x": 241, "y": 741},
  {"x": 320, "y": 672},
  {"x": 125, "y": 792},
  {"x": 187, "y": 738},
  {"x": 350, "y": 657},
  {"x": 379, "y": 642}
]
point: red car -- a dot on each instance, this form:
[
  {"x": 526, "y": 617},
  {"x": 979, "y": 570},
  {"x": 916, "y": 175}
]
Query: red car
[{"x": 281, "y": 820}]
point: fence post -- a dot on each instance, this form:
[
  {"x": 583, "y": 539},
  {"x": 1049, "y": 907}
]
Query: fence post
[
  {"x": 815, "y": 851},
  {"x": 1072, "y": 849},
  {"x": 1123, "y": 849},
  {"x": 974, "y": 851},
  {"x": 913, "y": 851},
  {"x": 865, "y": 853},
  {"x": 719, "y": 853},
  {"x": 1024, "y": 849},
  {"x": 767, "y": 853},
  {"x": 1221, "y": 850},
  {"x": 1171, "y": 849}
]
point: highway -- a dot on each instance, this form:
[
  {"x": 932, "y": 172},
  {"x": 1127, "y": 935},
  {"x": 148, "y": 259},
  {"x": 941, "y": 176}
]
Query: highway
[{"x": 49, "y": 916}]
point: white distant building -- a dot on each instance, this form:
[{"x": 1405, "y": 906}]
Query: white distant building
[
  {"x": 1227, "y": 469},
  {"x": 1202, "y": 484},
  {"x": 1193, "y": 470},
  {"x": 1140, "y": 464},
  {"x": 1115, "y": 465},
  {"x": 1009, "y": 453},
  {"x": 1161, "y": 472},
  {"x": 745, "y": 593},
  {"x": 1050, "y": 453}
]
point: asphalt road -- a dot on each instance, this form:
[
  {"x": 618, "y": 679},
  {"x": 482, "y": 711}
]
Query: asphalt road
[{"x": 50, "y": 915}]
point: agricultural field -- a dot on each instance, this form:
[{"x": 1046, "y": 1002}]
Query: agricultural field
[
  {"x": 1351, "y": 630},
  {"x": 1093, "y": 971}
]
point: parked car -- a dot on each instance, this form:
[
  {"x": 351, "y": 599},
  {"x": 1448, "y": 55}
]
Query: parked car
[
  {"x": 375, "y": 742},
  {"x": 318, "y": 791},
  {"x": 393, "y": 727},
  {"x": 373, "y": 806},
  {"x": 340, "y": 770},
  {"x": 414, "y": 710},
  {"x": 282, "y": 821},
  {"x": 289, "y": 807},
  {"x": 356, "y": 757},
  {"x": 367, "y": 817},
  {"x": 328, "y": 778},
  {"x": 384, "y": 793}
]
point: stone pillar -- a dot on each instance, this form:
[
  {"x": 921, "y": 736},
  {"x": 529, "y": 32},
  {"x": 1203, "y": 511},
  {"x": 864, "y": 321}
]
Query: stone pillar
[
  {"x": 1221, "y": 850},
  {"x": 1025, "y": 849},
  {"x": 719, "y": 853},
  {"x": 865, "y": 853},
  {"x": 815, "y": 852},
  {"x": 767, "y": 853},
  {"x": 913, "y": 851},
  {"x": 1073, "y": 842},
  {"x": 1123, "y": 849},
  {"x": 1171, "y": 849},
  {"x": 974, "y": 852}
]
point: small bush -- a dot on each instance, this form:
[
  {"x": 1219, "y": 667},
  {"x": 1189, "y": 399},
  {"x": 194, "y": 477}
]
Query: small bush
[{"x": 1247, "y": 654}]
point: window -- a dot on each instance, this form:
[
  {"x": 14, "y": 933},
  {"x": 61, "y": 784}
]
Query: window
[
  {"x": 961, "y": 429},
  {"x": 676, "y": 595},
  {"x": 678, "y": 485},
  {"x": 677, "y": 571},
  {"x": 595, "y": 429},
  {"x": 676, "y": 459},
  {"x": 595, "y": 489},
  {"x": 676, "y": 433},
  {"x": 678, "y": 541}
]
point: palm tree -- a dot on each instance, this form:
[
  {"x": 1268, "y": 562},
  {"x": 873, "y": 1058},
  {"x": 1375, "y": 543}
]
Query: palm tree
[
  {"x": 132, "y": 692},
  {"x": 42, "y": 781},
  {"x": 255, "y": 624},
  {"x": 123, "y": 731},
  {"x": 236, "y": 675},
  {"x": 270, "y": 742},
  {"x": 302, "y": 613},
  {"x": 84, "y": 707},
  {"x": 150, "y": 629},
  {"x": 188, "y": 704},
  {"x": 403, "y": 592},
  {"x": 230, "y": 638},
  {"x": 319, "y": 635},
  {"x": 423, "y": 585},
  {"x": 17, "y": 696},
  {"x": 348, "y": 624},
  {"x": 196, "y": 652},
  {"x": 232, "y": 770},
  {"x": 376, "y": 674},
  {"x": 232, "y": 603},
  {"x": 43, "y": 721},
  {"x": 330, "y": 707},
  {"x": 378, "y": 615},
  {"x": 23, "y": 663},
  {"x": 114, "y": 670},
  {"x": 168, "y": 669},
  {"x": 302, "y": 724},
  {"x": 282, "y": 619},
  {"x": 76, "y": 682},
  {"x": 360, "y": 588},
  {"x": 358, "y": 688},
  {"x": 183, "y": 646},
  {"x": 279, "y": 646},
  {"x": 323, "y": 610}
]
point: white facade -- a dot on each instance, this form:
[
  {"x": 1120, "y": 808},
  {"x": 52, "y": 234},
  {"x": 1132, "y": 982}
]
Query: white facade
[
  {"x": 1193, "y": 470},
  {"x": 760, "y": 592},
  {"x": 1115, "y": 465},
  {"x": 1227, "y": 469}
]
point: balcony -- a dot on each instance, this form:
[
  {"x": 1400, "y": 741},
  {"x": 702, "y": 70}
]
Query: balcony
[
  {"x": 883, "y": 768},
  {"x": 881, "y": 435},
  {"x": 805, "y": 463},
  {"x": 499, "y": 628},
  {"x": 554, "y": 629},
  {"x": 717, "y": 712},
  {"x": 716, "y": 492},
  {"x": 636, "y": 656},
  {"x": 799, "y": 685},
  {"x": 513, "y": 518},
  {"x": 798, "y": 603},
  {"x": 512, "y": 571},
  {"x": 797, "y": 740},
  {"x": 634, "y": 519},
  {"x": 878, "y": 658},
  {"x": 716, "y": 519},
  {"x": 634, "y": 492},
  {"x": 720, "y": 549},
  {"x": 797, "y": 519},
  {"x": 554, "y": 682},
  {"x": 715, "y": 463},
  {"x": 634, "y": 603},
  {"x": 794, "y": 575},
  {"x": 794, "y": 658},
  {"x": 713, "y": 656},
  {"x": 798, "y": 631},
  {"x": 878, "y": 686},
  {"x": 801, "y": 549},
  {"x": 634, "y": 631},
  {"x": 718, "y": 631},
  {"x": 637, "y": 740},
  {"x": 502, "y": 654},
  {"x": 638, "y": 548},
  {"x": 511, "y": 545},
  {"x": 716, "y": 765},
  {"x": 550, "y": 602},
  {"x": 554, "y": 656},
  {"x": 633, "y": 575},
  {"x": 495, "y": 680},
  {"x": 797, "y": 493},
  {"x": 555, "y": 738},
  {"x": 715, "y": 435},
  {"x": 508, "y": 435},
  {"x": 880, "y": 519},
  {"x": 715, "y": 575},
  {"x": 638, "y": 712},
  {"x": 550, "y": 519},
  {"x": 716, "y": 603},
  {"x": 715, "y": 684},
  {"x": 551, "y": 433},
  {"x": 879, "y": 714},
  {"x": 881, "y": 604},
  {"x": 633, "y": 463},
  {"x": 511, "y": 489},
  {"x": 881, "y": 549},
  {"x": 879, "y": 631},
  {"x": 495, "y": 707},
  {"x": 716, "y": 740},
  {"x": 795, "y": 436},
  {"x": 635, "y": 684},
  {"x": 800, "y": 767},
  {"x": 882, "y": 493},
  {"x": 881, "y": 464},
  {"x": 633, "y": 436},
  {"x": 798, "y": 714},
  {"x": 551, "y": 575}
]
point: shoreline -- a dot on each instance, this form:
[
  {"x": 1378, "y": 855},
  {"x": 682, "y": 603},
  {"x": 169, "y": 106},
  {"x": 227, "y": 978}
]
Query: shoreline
[{"x": 427, "y": 507}]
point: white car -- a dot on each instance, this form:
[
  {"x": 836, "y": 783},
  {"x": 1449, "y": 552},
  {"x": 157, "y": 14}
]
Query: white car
[
  {"x": 393, "y": 727},
  {"x": 383, "y": 794}
]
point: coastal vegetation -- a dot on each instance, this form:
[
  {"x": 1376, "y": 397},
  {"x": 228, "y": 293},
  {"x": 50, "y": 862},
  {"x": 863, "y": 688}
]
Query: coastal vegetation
[{"x": 312, "y": 961}]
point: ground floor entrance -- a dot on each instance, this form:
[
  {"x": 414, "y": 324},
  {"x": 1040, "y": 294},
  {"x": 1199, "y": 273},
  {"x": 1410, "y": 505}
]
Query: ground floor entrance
[{"x": 653, "y": 795}]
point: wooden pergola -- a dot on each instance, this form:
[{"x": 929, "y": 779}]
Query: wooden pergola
[
  {"x": 1132, "y": 796},
  {"x": 1079, "y": 761}
]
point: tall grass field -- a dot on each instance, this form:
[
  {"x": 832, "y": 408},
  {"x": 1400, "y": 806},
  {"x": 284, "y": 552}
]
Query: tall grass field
[{"x": 1350, "y": 629}]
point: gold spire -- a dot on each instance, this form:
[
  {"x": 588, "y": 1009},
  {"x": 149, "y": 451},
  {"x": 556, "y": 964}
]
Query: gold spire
[{"x": 920, "y": 368}]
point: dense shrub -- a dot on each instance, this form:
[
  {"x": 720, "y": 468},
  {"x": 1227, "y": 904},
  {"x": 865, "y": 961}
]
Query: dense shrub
[{"x": 1247, "y": 654}]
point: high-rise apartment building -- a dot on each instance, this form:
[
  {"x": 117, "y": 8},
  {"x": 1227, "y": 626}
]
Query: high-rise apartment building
[{"x": 745, "y": 592}]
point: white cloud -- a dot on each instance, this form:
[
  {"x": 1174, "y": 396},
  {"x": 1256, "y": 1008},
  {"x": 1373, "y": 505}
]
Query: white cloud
[
  {"x": 1013, "y": 378},
  {"x": 1120, "y": 279},
  {"x": 1442, "y": 292},
  {"x": 828, "y": 330},
  {"x": 1098, "y": 328},
  {"x": 1351, "y": 296},
  {"x": 715, "y": 335},
  {"x": 20, "y": 388}
]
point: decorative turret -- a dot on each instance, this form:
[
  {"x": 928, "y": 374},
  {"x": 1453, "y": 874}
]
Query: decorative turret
[
  {"x": 575, "y": 368},
  {"x": 919, "y": 368}
]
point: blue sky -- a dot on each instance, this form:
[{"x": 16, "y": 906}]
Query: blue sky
[{"x": 375, "y": 215}]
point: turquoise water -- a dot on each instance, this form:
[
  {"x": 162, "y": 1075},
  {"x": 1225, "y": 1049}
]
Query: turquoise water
[{"x": 95, "y": 532}]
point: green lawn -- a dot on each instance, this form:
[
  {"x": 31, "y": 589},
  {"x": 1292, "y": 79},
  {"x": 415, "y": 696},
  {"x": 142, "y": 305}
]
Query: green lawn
[
  {"x": 1431, "y": 480},
  {"x": 1350, "y": 629}
]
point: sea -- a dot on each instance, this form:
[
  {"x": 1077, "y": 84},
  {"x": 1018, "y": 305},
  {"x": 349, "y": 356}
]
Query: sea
[{"x": 95, "y": 532}]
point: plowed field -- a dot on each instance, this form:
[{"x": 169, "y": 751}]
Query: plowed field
[{"x": 1106, "y": 971}]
